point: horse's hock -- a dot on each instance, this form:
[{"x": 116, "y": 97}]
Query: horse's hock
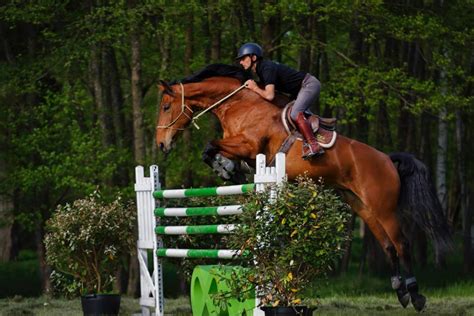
[{"x": 205, "y": 280}]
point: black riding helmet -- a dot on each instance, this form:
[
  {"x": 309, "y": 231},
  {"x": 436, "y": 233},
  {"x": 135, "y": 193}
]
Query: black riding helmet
[{"x": 250, "y": 49}]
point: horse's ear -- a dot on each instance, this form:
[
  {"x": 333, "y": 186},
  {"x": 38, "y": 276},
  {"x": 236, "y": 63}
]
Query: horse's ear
[{"x": 165, "y": 88}]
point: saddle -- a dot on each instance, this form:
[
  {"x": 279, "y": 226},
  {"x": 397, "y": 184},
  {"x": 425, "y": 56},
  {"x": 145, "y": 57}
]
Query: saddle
[{"x": 323, "y": 128}]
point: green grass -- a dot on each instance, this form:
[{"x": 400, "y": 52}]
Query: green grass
[
  {"x": 448, "y": 292},
  {"x": 343, "y": 305},
  {"x": 46, "y": 306}
]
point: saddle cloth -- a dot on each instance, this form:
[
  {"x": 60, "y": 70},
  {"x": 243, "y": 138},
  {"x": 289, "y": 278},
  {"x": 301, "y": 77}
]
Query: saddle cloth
[{"x": 324, "y": 129}]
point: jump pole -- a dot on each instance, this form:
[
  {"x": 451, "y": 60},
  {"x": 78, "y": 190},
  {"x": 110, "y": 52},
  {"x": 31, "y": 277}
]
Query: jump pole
[{"x": 148, "y": 191}]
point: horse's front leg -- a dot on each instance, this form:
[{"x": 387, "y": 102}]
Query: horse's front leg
[{"x": 225, "y": 157}]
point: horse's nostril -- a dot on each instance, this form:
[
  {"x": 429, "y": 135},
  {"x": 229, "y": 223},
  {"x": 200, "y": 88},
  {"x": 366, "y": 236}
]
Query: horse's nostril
[{"x": 162, "y": 146}]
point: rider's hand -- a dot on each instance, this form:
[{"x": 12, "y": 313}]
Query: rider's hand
[{"x": 251, "y": 84}]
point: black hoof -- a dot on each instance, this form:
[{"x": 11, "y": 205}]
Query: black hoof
[
  {"x": 209, "y": 152},
  {"x": 418, "y": 301},
  {"x": 238, "y": 178},
  {"x": 403, "y": 297}
]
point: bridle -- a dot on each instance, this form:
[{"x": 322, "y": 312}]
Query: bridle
[
  {"x": 183, "y": 112},
  {"x": 194, "y": 119}
]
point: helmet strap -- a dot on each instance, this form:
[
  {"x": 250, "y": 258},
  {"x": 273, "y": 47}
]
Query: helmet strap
[{"x": 252, "y": 62}]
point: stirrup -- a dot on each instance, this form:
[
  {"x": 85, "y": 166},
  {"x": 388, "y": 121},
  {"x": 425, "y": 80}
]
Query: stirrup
[{"x": 309, "y": 153}]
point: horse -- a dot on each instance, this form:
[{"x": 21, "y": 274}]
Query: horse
[{"x": 376, "y": 186}]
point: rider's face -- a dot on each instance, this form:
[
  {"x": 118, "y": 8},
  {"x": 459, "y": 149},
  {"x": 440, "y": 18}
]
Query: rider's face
[{"x": 246, "y": 62}]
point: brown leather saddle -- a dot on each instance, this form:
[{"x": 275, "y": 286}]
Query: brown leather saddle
[{"x": 323, "y": 128}]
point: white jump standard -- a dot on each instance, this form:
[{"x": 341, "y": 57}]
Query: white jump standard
[{"x": 149, "y": 230}]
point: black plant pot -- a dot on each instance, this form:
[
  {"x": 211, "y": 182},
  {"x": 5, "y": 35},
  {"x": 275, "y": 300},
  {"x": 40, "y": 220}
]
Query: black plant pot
[
  {"x": 100, "y": 304},
  {"x": 288, "y": 310}
]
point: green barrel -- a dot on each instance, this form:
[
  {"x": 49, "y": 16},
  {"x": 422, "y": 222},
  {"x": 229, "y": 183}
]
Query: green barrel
[{"x": 207, "y": 280}]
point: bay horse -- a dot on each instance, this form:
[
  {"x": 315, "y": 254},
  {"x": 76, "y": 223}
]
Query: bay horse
[{"x": 374, "y": 184}]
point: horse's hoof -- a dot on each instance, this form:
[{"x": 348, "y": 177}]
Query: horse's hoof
[
  {"x": 418, "y": 301},
  {"x": 403, "y": 298},
  {"x": 238, "y": 178}
]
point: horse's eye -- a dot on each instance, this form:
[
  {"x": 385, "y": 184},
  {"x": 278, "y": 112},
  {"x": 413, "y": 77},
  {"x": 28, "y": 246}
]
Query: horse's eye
[{"x": 166, "y": 107}]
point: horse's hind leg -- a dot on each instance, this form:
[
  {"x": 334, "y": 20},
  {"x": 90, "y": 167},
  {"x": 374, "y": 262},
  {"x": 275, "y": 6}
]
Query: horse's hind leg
[
  {"x": 385, "y": 242},
  {"x": 397, "y": 281},
  {"x": 393, "y": 230},
  {"x": 389, "y": 248}
]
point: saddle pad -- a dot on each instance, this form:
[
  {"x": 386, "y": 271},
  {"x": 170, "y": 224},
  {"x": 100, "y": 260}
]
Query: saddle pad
[{"x": 325, "y": 138}]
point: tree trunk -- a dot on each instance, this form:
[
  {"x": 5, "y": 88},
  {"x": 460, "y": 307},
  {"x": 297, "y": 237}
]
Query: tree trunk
[
  {"x": 138, "y": 141},
  {"x": 116, "y": 96},
  {"x": 116, "y": 105},
  {"x": 268, "y": 30},
  {"x": 441, "y": 157},
  {"x": 188, "y": 173},
  {"x": 465, "y": 211},
  {"x": 6, "y": 200},
  {"x": 320, "y": 62},
  {"x": 45, "y": 270},
  {"x": 137, "y": 100},
  {"x": 6, "y": 48},
  {"x": 99, "y": 95},
  {"x": 214, "y": 24},
  {"x": 189, "y": 42},
  {"x": 248, "y": 20},
  {"x": 344, "y": 265},
  {"x": 304, "y": 56},
  {"x": 6, "y": 218}
]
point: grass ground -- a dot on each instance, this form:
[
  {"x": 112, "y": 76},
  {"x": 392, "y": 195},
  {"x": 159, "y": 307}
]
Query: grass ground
[
  {"x": 448, "y": 292},
  {"x": 335, "y": 305}
]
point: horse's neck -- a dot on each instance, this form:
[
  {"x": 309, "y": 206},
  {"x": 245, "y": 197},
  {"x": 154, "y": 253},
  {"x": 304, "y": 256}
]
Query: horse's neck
[{"x": 243, "y": 112}]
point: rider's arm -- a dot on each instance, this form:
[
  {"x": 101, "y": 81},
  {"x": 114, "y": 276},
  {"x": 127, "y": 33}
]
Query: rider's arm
[{"x": 267, "y": 93}]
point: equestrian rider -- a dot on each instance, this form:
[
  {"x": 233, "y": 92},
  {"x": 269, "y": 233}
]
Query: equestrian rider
[{"x": 274, "y": 76}]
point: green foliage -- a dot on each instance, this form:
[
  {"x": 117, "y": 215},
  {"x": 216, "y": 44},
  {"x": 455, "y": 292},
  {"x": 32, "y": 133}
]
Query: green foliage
[
  {"x": 88, "y": 240},
  {"x": 292, "y": 238}
]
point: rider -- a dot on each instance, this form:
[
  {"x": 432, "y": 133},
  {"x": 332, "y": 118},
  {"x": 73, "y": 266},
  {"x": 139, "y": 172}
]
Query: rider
[{"x": 274, "y": 76}]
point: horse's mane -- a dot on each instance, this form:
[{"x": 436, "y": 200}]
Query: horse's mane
[{"x": 216, "y": 70}]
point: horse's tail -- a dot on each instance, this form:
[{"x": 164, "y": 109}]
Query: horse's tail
[{"x": 418, "y": 200}]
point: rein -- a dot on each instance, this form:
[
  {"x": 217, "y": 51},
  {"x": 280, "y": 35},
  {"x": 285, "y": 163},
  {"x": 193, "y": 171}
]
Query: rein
[{"x": 193, "y": 119}]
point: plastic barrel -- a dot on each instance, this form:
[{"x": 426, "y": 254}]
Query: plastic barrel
[
  {"x": 207, "y": 280},
  {"x": 100, "y": 304}
]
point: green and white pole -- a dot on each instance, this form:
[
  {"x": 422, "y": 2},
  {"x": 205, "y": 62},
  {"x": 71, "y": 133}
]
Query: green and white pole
[
  {"x": 202, "y": 192},
  {"x": 199, "y": 253},
  {"x": 199, "y": 211},
  {"x": 195, "y": 230}
]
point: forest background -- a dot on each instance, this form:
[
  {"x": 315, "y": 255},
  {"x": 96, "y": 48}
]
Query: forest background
[{"x": 78, "y": 97}]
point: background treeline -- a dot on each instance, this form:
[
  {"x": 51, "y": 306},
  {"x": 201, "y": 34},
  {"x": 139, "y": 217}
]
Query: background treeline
[{"x": 78, "y": 97}]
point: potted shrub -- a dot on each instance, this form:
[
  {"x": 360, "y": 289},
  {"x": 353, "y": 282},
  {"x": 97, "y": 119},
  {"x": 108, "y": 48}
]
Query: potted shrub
[
  {"x": 88, "y": 240},
  {"x": 291, "y": 240}
]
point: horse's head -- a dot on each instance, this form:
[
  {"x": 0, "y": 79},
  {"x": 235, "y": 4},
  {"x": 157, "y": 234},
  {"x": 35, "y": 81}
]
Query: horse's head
[{"x": 174, "y": 115}]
